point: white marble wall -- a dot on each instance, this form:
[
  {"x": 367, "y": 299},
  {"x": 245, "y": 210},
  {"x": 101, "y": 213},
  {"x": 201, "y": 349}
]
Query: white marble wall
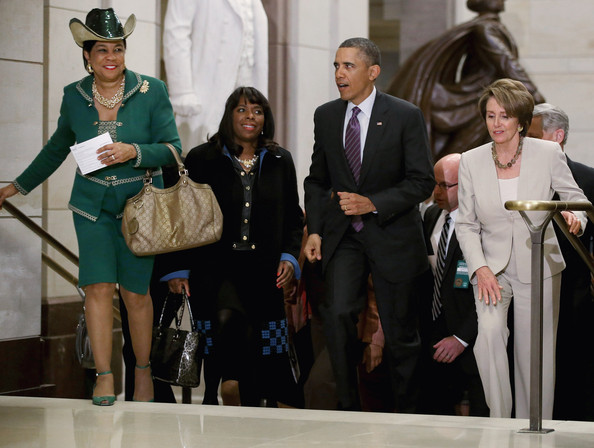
[{"x": 21, "y": 90}]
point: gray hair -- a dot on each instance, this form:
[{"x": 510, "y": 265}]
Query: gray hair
[
  {"x": 553, "y": 118},
  {"x": 369, "y": 50}
]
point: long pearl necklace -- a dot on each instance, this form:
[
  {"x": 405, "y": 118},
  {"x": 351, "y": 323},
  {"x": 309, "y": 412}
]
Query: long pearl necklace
[
  {"x": 111, "y": 102},
  {"x": 512, "y": 161},
  {"x": 249, "y": 163}
]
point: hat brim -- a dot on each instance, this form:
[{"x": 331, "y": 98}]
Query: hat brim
[{"x": 81, "y": 33}]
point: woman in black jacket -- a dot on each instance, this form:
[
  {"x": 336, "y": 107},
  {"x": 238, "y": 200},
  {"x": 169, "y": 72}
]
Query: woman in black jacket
[{"x": 238, "y": 282}]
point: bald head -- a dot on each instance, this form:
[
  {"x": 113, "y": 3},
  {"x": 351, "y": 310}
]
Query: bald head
[{"x": 445, "y": 192}]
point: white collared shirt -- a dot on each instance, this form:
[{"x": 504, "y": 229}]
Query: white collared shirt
[{"x": 364, "y": 116}]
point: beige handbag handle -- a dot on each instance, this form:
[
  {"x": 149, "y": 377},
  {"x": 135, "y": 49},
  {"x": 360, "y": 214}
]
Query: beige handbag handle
[
  {"x": 180, "y": 165},
  {"x": 181, "y": 169}
]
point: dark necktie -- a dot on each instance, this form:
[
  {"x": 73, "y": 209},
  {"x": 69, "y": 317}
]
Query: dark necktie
[
  {"x": 352, "y": 148},
  {"x": 439, "y": 268}
]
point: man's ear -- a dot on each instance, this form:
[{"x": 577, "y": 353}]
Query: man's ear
[
  {"x": 374, "y": 72},
  {"x": 559, "y": 135}
]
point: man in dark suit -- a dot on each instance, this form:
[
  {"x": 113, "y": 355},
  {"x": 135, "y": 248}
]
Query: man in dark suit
[
  {"x": 574, "y": 387},
  {"x": 370, "y": 168},
  {"x": 448, "y": 314}
]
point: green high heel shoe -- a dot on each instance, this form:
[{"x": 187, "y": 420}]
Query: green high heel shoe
[
  {"x": 152, "y": 400},
  {"x": 105, "y": 400}
]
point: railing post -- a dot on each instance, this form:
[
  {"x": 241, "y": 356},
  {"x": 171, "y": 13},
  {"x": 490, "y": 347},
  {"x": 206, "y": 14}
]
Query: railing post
[
  {"x": 536, "y": 312},
  {"x": 536, "y": 299}
]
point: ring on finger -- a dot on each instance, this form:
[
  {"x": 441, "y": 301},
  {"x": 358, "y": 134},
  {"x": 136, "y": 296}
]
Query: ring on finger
[{"x": 112, "y": 157}]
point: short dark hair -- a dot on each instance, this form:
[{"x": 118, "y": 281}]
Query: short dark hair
[
  {"x": 225, "y": 135},
  {"x": 514, "y": 97},
  {"x": 88, "y": 46},
  {"x": 369, "y": 50}
]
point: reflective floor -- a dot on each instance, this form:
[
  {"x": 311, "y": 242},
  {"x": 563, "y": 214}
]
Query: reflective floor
[{"x": 49, "y": 423}]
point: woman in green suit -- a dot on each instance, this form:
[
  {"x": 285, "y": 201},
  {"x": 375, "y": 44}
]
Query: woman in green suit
[{"x": 135, "y": 110}]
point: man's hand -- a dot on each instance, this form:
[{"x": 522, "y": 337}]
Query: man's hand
[
  {"x": 572, "y": 221},
  {"x": 313, "y": 248},
  {"x": 355, "y": 204},
  {"x": 372, "y": 356},
  {"x": 447, "y": 350}
]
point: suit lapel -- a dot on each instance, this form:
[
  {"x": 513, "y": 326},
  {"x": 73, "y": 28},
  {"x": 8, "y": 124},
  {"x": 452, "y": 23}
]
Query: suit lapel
[
  {"x": 486, "y": 175},
  {"x": 377, "y": 124}
]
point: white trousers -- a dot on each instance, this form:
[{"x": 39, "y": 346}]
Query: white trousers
[{"x": 490, "y": 348}]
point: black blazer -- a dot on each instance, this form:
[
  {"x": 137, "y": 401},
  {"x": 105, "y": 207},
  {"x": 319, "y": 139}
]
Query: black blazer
[
  {"x": 458, "y": 305},
  {"x": 396, "y": 174},
  {"x": 576, "y": 275},
  {"x": 276, "y": 217}
]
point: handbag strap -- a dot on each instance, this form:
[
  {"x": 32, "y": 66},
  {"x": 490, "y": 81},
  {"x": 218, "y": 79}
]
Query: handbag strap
[
  {"x": 163, "y": 310},
  {"x": 179, "y": 314},
  {"x": 180, "y": 165},
  {"x": 181, "y": 169},
  {"x": 190, "y": 315}
]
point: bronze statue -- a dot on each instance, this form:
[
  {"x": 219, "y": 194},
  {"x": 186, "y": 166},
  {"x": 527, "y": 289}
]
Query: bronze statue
[{"x": 446, "y": 76}]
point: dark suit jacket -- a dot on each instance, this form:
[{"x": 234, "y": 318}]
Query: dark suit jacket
[
  {"x": 458, "y": 304},
  {"x": 576, "y": 276},
  {"x": 396, "y": 174}
]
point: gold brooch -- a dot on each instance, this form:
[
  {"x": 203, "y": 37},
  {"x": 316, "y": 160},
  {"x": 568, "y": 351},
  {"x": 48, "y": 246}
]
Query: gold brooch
[{"x": 144, "y": 87}]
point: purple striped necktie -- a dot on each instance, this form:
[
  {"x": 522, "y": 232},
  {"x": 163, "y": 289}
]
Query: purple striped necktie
[{"x": 352, "y": 149}]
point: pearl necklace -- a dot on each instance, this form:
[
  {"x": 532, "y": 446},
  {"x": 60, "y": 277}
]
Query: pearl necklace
[
  {"x": 113, "y": 101},
  {"x": 249, "y": 163},
  {"x": 512, "y": 161}
]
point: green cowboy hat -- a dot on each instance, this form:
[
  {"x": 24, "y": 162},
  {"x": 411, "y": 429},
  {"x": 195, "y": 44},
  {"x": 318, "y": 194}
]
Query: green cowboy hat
[{"x": 101, "y": 25}]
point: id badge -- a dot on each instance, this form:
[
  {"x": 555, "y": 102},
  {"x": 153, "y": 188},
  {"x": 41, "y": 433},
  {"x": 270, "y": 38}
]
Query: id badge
[{"x": 461, "y": 279}]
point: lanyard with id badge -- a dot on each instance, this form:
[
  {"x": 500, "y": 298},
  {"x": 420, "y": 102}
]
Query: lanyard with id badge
[{"x": 461, "y": 279}]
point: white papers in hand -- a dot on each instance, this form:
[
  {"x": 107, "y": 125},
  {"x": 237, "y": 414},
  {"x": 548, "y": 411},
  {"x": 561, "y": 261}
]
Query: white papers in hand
[{"x": 85, "y": 153}]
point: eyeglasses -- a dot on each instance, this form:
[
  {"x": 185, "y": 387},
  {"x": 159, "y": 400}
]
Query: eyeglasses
[{"x": 445, "y": 186}]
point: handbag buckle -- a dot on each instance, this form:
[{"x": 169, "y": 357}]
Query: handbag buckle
[{"x": 183, "y": 172}]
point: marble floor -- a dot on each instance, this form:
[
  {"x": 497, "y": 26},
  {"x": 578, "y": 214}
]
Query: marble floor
[{"x": 63, "y": 423}]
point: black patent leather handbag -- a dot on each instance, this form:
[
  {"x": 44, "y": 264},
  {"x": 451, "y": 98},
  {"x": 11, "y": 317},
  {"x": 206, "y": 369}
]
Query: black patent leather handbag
[{"x": 176, "y": 354}]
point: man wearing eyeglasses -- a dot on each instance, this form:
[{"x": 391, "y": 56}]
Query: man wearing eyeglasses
[{"x": 448, "y": 315}]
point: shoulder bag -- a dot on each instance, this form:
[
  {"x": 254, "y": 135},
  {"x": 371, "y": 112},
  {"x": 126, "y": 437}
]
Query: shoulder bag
[
  {"x": 176, "y": 355},
  {"x": 184, "y": 216}
]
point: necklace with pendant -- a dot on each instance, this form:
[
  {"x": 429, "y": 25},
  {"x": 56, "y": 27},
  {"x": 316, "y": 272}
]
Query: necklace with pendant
[
  {"x": 111, "y": 102},
  {"x": 249, "y": 163},
  {"x": 512, "y": 161}
]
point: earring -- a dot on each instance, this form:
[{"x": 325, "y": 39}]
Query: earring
[
  {"x": 520, "y": 128},
  {"x": 89, "y": 68}
]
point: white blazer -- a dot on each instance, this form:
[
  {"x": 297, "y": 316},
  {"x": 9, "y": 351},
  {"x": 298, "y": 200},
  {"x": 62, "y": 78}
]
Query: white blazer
[{"x": 486, "y": 230}]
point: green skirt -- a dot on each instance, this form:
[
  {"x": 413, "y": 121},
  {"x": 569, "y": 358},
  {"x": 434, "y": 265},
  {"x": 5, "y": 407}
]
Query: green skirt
[{"x": 104, "y": 256}]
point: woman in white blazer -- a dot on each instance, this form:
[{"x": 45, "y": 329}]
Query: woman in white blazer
[{"x": 496, "y": 243}]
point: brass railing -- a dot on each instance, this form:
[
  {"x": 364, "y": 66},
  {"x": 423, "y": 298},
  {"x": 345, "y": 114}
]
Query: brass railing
[
  {"x": 554, "y": 209},
  {"x": 63, "y": 250}
]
